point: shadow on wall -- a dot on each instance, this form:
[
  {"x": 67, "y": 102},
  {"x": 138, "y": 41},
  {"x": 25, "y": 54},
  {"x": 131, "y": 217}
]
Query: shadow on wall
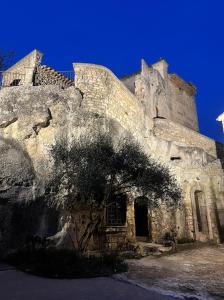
[
  {"x": 219, "y": 207},
  {"x": 20, "y": 215},
  {"x": 32, "y": 220},
  {"x": 220, "y": 152},
  {"x": 219, "y": 214},
  {"x": 17, "y": 174}
]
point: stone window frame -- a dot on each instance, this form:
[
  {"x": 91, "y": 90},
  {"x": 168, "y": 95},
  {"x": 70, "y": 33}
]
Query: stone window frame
[{"x": 116, "y": 211}]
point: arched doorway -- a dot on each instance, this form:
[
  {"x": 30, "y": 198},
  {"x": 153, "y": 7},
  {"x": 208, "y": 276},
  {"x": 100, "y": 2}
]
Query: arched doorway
[
  {"x": 142, "y": 224},
  {"x": 219, "y": 211},
  {"x": 200, "y": 216}
]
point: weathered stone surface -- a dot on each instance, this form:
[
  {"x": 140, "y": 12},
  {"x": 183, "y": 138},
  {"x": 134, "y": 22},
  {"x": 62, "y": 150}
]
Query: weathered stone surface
[
  {"x": 33, "y": 118},
  {"x": 164, "y": 95},
  {"x": 44, "y": 115},
  {"x": 189, "y": 274},
  {"x": 22, "y": 72},
  {"x": 17, "y": 172}
]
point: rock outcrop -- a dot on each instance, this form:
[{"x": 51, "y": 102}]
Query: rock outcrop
[
  {"x": 32, "y": 120},
  {"x": 154, "y": 107}
]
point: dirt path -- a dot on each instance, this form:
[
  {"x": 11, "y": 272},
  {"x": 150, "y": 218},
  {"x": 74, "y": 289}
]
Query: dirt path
[{"x": 190, "y": 274}]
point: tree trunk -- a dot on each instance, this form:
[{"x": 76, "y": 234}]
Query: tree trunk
[{"x": 92, "y": 227}]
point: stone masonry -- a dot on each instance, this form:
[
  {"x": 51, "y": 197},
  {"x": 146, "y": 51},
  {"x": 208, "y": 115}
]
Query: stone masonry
[{"x": 157, "y": 108}]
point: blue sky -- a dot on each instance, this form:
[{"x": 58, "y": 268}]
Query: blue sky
[{"x": 118, "y": 33}]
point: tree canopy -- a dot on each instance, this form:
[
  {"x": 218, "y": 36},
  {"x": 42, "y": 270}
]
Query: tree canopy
[
  {"x": 96, "y": 168},
  {"x": 95, "y": 171}
]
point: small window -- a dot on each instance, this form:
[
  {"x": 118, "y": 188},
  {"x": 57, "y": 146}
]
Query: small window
[
  {"x": 15, "y": 82},
  {"x": 116, "y": 211},
  {"x": 175, "y": 158}
]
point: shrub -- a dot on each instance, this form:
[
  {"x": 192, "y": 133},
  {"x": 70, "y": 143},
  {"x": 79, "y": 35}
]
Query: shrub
[
  {"x": 58, "y": 263},
  {"x": 185, "y": 241}
]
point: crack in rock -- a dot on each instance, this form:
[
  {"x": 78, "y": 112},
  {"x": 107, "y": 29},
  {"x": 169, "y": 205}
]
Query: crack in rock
[{"x": 9, "y": 122}]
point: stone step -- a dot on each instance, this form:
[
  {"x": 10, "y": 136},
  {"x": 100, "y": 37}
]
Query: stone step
[
  {"x": 145, "y": 249},
  {"x": 54, "y": 72}
]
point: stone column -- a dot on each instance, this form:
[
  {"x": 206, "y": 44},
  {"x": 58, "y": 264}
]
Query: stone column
[
  {"x": 154, "y": 227},
  {"x": 211, "y": 214},
  {"x": 131, "y": 220},
  {"x": 189, "y": 222}
]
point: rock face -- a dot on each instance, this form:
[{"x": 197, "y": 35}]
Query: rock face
[
  {"x": 17, "y": 172},
  {"x": 32, "y": 120},
  {"x": 143, "y": 105}
]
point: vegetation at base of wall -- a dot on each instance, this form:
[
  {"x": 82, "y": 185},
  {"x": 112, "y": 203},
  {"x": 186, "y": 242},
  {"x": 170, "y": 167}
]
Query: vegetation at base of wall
[
  {"x": 182, "y": 241},
  {"x": 98, "y": 172},
  {"x": 61, "y": 263}
]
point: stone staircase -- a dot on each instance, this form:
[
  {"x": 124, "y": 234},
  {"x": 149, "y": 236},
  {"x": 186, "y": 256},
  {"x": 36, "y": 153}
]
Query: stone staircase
[
  {"x": 145, "y": 249},
  {"x": 141, "y": 249},
  {"x": 48, "y": 76}
]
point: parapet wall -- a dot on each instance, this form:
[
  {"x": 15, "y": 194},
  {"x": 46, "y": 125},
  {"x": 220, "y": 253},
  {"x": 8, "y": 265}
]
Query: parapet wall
[
  {"x": 104, "y": 93},
  {"x": 171, "y": 131},
  {"x": 29, "y": 71},
  {"x": 147, "y": 94},
  {"x": 45, "y": 75},
  {"x": 182, "y": 95}
]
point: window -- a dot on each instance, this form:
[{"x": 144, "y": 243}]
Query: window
[
  {"x": 116, "y": 211},
  {"x": 15, "y": 82},
  {"x": 175, "y": 158}
]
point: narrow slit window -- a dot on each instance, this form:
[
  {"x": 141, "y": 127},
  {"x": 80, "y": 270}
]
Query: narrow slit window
[{"x": 175, "y": 158}]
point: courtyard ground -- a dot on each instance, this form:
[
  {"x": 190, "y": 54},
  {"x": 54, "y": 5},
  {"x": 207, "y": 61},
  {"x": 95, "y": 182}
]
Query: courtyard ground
[
  {"x": 15, "y": 285},
  {"x": 189, "y": 274}
]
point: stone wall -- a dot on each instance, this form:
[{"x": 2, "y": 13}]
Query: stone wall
[
  {"x": 164, "y": 95},
  {"x": 183, "y": 102},
  {"x": 171, "y": 131},
  {"x": 23, "y": 70},
  {"x": 45, "y": 75},
  {"x": 29, "y": 71},
  {"x": 129, "y": 81},
  {"x": 151, "y": 89},
  {"x": 33, "y": 118},
  {"x": 105, "y": 94}
]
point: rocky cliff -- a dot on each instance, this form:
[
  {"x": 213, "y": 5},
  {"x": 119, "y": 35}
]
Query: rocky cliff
[{"x": 32, "y": 119}]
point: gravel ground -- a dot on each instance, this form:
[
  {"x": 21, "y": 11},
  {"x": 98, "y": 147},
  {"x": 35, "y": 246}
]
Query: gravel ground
[{"x": 189, "y": 274}]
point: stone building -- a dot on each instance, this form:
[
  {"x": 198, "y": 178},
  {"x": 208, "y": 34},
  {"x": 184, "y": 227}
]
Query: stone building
[{"x": 39, "y": 106}]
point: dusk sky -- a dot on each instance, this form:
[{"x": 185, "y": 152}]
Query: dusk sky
[{"x": 117, "y": 34}]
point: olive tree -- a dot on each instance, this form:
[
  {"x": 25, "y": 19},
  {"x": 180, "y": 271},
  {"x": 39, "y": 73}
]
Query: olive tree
[{"x": 95, "y": 170}]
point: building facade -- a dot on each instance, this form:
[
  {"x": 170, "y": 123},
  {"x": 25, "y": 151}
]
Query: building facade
[{"x": 38, "y": 105}]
